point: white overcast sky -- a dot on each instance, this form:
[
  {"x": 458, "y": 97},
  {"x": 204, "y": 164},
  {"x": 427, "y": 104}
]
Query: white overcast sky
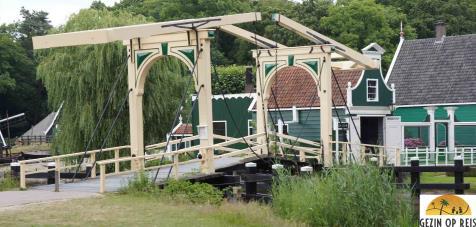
[{"x": 59, "y": 10}]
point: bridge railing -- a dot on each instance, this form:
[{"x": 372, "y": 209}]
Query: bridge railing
[
  {"x": 363, "y": 153},
  {"x": 178, "y": 157},
  {"x": 298, "y": 147},
  {"x": 62, "y": 162},
  {"x": 439, "y": 156}
]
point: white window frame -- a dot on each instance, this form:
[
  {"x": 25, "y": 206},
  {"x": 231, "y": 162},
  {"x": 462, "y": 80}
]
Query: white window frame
[
  {"x": 376, "y": 90},
  {"x": 249, "y": 126},
  {"x": 226, "y": 127}
]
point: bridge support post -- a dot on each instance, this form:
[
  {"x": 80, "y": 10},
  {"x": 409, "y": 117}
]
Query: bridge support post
[
  {"x": 205, "y": 113},
  {"x": 136, "y": 122},
  {"x": 325, "y": 98}
]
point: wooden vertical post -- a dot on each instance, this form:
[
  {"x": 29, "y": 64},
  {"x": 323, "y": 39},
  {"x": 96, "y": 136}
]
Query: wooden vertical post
[
  {"x": 362, "y": 154},
  {"x": 57, "y": 173},
  {"x": 22, "y": 175},
  {"x": 302, "y": 156},
  {"x": 93, "y": 167},
  {"x": 380, "y": 156},
  {"x": 344, "y": 153},
  {"x": 176, "y": 166},
  {"x": 102, "y": 178},
  {"x": 136, "y": 123},
  {"x": 205, "y": 113},
  {"x": 397, "y": 158},
  {"x": 415, "y": 176},
  {"x": 325, "y": 98},
  {"x": 459, "y": 175},
  {"x": 116, "y": 163}
]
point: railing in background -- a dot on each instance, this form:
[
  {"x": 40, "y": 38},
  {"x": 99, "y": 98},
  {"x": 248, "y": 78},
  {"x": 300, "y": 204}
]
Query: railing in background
[
  {"x": 440, "y": 156},
  {"x": 27, "y": 140},
  {"x": 364, "y": 153}
]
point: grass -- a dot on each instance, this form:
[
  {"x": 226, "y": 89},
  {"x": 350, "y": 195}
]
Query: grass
[
  {"x": 175, "y": 190},
  {"x": 349, "y": 196},
  {"x": 7, "y": 183},
  {"x": 32, "y": 147},
  {"x": 140, "y": 210},
  {"x": 443, "y": 178}
]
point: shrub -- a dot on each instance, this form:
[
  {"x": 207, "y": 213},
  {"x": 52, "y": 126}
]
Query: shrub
[
  {"x": 351, "y": 196},
  {"x": 8, "y": 182},
  {"x": 231, "y": 79},
  {"x": 141, "y": 183},
  {"x": 175, "y": 190},
  {"x": 193, "y": 192}
]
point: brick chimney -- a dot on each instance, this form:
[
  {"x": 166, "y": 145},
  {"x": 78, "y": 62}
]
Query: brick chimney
[{"x": 440, "y": 31}]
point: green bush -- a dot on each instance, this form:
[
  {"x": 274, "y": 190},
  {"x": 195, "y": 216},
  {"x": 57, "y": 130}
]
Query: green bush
[
  {"x": 8, "y": 182},
  {"x": 141, "y": 183},
  {"x": 231, "y": 80},
  {"x": 350, "y": 196},
  {"x": 193, "y": 192},
  {"x": 174, "y": 190}
]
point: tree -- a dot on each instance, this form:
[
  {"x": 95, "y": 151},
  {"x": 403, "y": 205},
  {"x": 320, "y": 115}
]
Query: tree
[
  {"x": 460, "y": 15},
  {"x": 357, "y": 23},
  {"x": 83, "y": 77},
  {"x": 34, "y": 23},
  {"x": 17, "y": 91}
]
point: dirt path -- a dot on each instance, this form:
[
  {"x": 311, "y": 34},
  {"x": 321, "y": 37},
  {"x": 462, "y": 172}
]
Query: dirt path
[{"x": 18, "y": 199}]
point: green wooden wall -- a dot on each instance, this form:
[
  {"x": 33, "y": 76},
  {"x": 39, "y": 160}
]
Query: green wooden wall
[
  {"x": 464, "y": 135},
  {"x": 359, "y": 94},
  {"x": 239, "y": 112}
]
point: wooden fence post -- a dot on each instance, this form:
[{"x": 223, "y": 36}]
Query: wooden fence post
[
  {"x": 22, "y": 175},
  {"x": 102, "y": 178},
  {"x": 397, "y": 158},
  {"x": 93, "y": 167},
  {"x": 459, "y": 175},
  {"x": 175, "y": 166},
  {"x": 302, "y": 156},
  {"x": 415, "y": 176},
  {"x": 116, "y": 163},
  {"x": 57, "y": 173},
  {"x": 344, "y": 153},
  {"x": 362, "y": 154},
  {"x": 380, "y": 156}
]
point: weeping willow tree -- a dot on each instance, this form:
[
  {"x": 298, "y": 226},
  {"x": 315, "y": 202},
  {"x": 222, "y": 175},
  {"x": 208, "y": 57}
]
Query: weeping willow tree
[{"x": 82, "y": 78}]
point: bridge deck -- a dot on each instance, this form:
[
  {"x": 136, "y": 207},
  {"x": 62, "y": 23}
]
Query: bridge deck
[{"x": 114, "y": 183}]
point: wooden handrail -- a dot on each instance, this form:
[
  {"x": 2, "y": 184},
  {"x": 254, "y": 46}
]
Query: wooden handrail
[
  {"x": 162, "y": 144},
  {"x": 300, "y": 140},
  {"x": 72, "y": 154}
]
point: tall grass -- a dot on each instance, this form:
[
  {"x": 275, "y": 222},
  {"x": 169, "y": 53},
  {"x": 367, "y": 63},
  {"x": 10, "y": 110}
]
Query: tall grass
[
  {"x": 350, "y": 196},
  {"x": 8, "y": 182}
]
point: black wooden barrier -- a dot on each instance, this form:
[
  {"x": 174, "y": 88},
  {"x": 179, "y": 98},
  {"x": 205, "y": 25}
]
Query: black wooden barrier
[
  {"x": 254, "y": 181},
  {"x": 415, "y": 169}
]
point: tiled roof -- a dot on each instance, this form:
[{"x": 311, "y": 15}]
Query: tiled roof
[
  {"x": 429, "y": 72},
  {"x": 41, "y": 128},
  {"x": 295, "y": 87},
  {"x": 183, "y": 129}
]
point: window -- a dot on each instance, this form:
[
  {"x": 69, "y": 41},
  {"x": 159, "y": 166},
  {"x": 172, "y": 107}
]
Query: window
[
  {"x": 251, "y": 129},
  {"x": 372, "y": 90},
  {"x": 285, "y": 129},
  {"x": 219, "y": 128},
  {"x": 464, "y": 135},
  {"x": 416, "y": 136}
]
